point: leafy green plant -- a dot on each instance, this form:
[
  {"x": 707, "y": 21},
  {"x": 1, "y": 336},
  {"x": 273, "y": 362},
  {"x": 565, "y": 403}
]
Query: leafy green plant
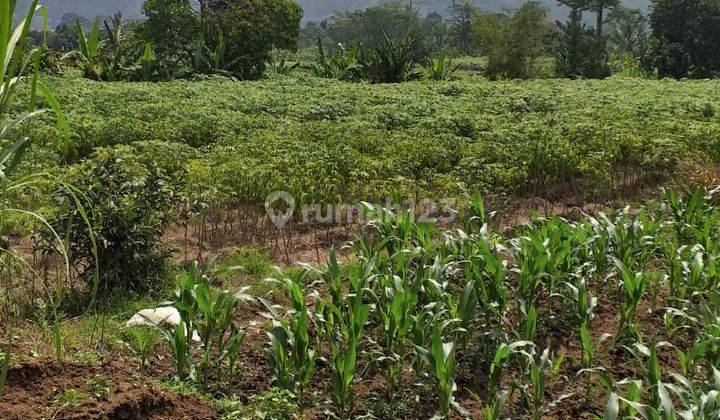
[
  {"x": 350, "y": 318},
  {"x": 89, "y": 52},
  {"x": 342, "y": 64},
  {"x": 391, "y": 60},
  {"x": 535, "y": 396},
  {"x": 396, "y": 305},
  {"x": 17, "y": 60},
  {"x": 144, "y": 341},
  {"x": 146, "y": 62}
]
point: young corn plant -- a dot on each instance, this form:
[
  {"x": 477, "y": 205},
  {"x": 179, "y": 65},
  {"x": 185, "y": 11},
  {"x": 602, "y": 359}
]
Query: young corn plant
[
  {"x": 396, "y": 304},
  {"x": 583, "y": 308},
  {"x": 692, "y": 215},
  {"x": 220, "y": 334},
  {"x": 501, "y": 360},
  {"x": 632, "y": 238},
  {"x": 19, "y": 63},
  {"x": 649, "y": 362},
  {"x": 543, "y": 258},
  {"x": 440, "y": 357},
  {"x": 478, "y": 218},
  {"x": 633, "y": 288},
  {"x": 535, "y": 394},
  {"x": 486, "y": 270},
  {"x": 143, "y": 343},
  {"x": 494, "y": 412},
  {"x": 349, "y": 315},
  {"x": 290, "y": 356},
  {"x": 207, "y": 316}
]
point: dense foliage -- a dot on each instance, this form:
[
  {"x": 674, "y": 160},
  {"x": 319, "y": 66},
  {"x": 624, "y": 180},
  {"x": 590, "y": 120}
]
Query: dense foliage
[
  {"x": 327, "y": 141},
  {"x": 130, "y": 202},
  {"x": 685, "y": 38}
]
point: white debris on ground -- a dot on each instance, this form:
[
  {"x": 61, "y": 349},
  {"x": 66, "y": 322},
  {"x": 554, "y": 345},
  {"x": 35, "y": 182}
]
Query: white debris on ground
[{"x": 164, "y": 315}]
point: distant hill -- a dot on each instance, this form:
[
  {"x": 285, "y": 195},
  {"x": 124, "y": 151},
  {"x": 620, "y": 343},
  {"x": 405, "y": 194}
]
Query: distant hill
[{"x": 314, "y": 9}]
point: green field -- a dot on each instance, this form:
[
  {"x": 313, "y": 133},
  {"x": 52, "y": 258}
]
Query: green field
[{"x": 329, "y": 141}]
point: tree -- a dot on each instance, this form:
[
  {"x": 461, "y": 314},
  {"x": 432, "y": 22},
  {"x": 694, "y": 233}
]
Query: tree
[
  {"x": 685, "y": 38},
  {"x": 173, "y": 28},
  {"x": 575, "y": 43},
  {"x": 463, "y": 17},
  {"x": 229, "y": 36},
  {"x": 628, "y": 31},
  {"x": 600, "y": 57},
  {"x": 513, "y": 44}
]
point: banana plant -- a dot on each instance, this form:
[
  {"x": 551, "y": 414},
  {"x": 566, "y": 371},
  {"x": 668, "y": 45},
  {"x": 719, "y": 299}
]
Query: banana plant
[
  {"x": 146, "y": 62},
  {"x": 441, "y": 68},
  {"x": 89, "y": 52}
]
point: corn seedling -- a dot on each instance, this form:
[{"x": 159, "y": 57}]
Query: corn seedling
[
  {"x": 536, "y": 395},
  {"x": 440, "y": 357},
  {"x": 350, "y": 318},
  {"x": 396, "y": 304},
  {"x": 633, "y": 287},
  {"x": 208, "y": 315},
  {"x": 501, "y": 360},
  {"x": 290, "y": 357}
]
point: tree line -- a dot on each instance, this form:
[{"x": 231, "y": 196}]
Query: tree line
[{"x": 177, "y": 38}]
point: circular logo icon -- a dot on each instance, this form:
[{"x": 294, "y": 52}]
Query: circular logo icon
[{"x": 280, "y": 207}]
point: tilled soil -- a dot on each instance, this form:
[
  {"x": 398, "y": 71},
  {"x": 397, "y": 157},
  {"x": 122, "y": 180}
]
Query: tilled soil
[{"x": 43, "y": 390}]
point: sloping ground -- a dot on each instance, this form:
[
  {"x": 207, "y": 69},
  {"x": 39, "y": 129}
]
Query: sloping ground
[{"x": 42, "y": 389}]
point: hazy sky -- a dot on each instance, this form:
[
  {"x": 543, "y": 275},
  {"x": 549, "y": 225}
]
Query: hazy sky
[{"x": 314, "y": 9}]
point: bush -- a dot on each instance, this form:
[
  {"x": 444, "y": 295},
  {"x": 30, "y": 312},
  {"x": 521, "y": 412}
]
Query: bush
[{"x": 130, "y": 205}]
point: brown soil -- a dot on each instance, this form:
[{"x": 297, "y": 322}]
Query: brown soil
[{"x": 113, "y": 390}]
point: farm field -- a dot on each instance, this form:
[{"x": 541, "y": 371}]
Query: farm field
[
  {"x": 519, "y": 313},
  {"x": 329, "y": 141}
]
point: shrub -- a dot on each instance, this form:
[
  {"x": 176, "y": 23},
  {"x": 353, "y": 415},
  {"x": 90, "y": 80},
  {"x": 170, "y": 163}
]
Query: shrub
[{"x": 130, "y": 206}]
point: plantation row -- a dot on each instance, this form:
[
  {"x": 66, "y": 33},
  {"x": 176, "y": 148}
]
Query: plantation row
[{"x": 614, "y": 316}]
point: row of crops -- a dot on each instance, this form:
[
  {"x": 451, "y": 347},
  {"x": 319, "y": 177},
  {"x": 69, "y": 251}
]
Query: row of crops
[
  {"x": 327, "y": 141},
  {"x": 613, "y": 315}
]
